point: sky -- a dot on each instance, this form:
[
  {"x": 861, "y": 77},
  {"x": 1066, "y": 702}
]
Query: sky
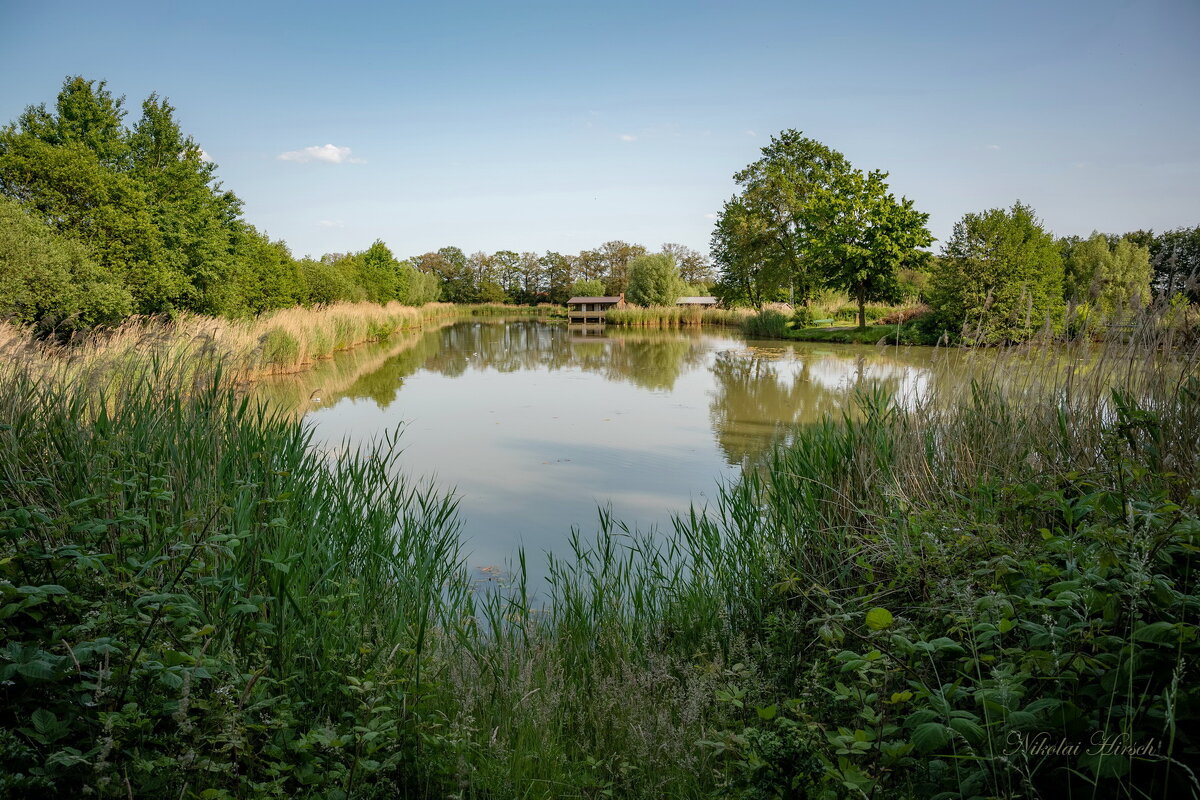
[{"x": 562, "y": 125}]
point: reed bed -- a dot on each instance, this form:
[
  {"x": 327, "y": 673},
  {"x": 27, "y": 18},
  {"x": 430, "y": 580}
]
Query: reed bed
[
  {"x": 675, "y": 316},
  {"x": 896, "y": 601},
  {"x": 280, "y": 342}
]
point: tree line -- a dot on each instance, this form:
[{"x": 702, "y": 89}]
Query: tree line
[
  {"x": 805, "y": 221},
  {"x": 100, "y": 220}
]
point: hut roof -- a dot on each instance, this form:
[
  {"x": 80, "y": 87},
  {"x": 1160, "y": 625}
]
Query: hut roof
[
  {"x": 575, "y": 300},
  {"x": 696, "y": 301}
]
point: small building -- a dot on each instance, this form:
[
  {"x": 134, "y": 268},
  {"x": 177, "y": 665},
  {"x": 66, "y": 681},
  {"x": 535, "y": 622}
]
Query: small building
[
  {"x": 583, "y": 309},
  {"x": 703, "y": 302}
]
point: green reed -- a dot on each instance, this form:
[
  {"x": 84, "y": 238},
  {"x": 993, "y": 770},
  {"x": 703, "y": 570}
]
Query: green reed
[{"x": 197, "y": 601}]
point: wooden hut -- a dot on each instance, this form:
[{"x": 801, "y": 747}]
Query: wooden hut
[{"x": 592, "y": 309}]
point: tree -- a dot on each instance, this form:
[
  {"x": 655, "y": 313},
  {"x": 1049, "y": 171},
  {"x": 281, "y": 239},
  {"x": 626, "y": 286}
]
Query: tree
[
  {"x": 766, "y": 241},
  {"x": 533, "y": 279},
  {"x": 1000, "y": 276},
  {"x": 1108, "y": 276},
  {"x": 1175, "y": 257},
  {"x": 378, "y": 272},
  {"x": 740, "y": 245},
  {"x": 694, "y": 266},
  {"x": 861, "y": 236},
  {"x": 449, "y": 264},
  {"x": 587, "y": 288},
  {"x": 654, "y": 280},
  {"x": 507, "y": 265},
  {"x": 615, "y": 258},
  {"x": 267, "y": 275},
  {"x": 198, "y": 223},
  {"x": 416, "y": 288},
  {"x": 326, "y": 282},
  {"x": 556, "y": 269},
  {"x": 50, "y": 281}
]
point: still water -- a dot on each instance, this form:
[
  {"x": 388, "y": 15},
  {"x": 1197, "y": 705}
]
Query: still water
[{"x": 535, "y": 425}]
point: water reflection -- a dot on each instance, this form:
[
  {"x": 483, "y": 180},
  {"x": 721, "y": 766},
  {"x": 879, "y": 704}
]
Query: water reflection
[{"x": 536, "y": 424}]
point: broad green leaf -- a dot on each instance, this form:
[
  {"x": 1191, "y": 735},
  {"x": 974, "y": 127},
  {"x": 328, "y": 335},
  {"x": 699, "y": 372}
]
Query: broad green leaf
[{"x": 879, "y": 618}]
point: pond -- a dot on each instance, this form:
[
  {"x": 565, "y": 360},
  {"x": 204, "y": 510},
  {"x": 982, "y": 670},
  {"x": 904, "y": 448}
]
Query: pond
[{"x": 536, "y": 424}]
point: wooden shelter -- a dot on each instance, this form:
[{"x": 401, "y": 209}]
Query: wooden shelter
[{"x": 585, "y": 309}]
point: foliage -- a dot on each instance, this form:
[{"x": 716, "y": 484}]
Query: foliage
[
  {"x": 999, "y": 277},
  {"x": 51, "y": 281},
  {"x": 1175, "y": 256},
  {"x": 654, "y": 280},
  {"x": 1112, "y": 278},
  {"x": 142, "y": 208},
  {"x": 587, "y": 288},
  {"x": 761, "y": 240},
  {"x": 185, "y": 596},
  {"x": 864, "y": 236},
  {"x": 898, "y": 602}
]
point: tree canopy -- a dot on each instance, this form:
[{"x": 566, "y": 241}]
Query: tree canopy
[
  {"x": 863, "y": 236},
  {"x": 654, "y": 280},
  {"x": 1000, "y": 277},
  {"x": 806, "y": 219}
]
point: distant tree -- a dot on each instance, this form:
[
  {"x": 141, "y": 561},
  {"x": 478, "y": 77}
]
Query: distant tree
[
  {"x": 999, "y": 277},
  {"x": 863, "y": 236},
  {"x": 694, "y": 267},
  {"x": 1106, "y": 275},
  {"x": 557, "y": 269},
  {"x": 327, "y": 282},
  {"x": 533, "y": 279},
  {"x": 507, "y": 265},
  {"x": 615, "y": 259},
  {"x": 1175, "y": 258},
  {"x": 378, "y": 272},
  {"x": 492, "y": 292},
  {"x": 266, "y": 276},
  {"x": 589, "y": 265},
  {"x": 587, "y": 288},
  {"x": 416, "y": 288},
  {"x": 450, "y": 265},
  {"x": 654, "y": 280}
]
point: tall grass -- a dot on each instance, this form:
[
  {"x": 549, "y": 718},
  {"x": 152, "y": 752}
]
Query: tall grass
[
  {"x": 898, "y": 598},
  {"x": 280, "y": 342},
  {"x": 203, "y": 599},
  {"x": 674, "y": 316}
]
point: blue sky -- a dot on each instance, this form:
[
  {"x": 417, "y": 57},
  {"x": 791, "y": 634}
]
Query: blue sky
[{"x": 561, "y": 125}]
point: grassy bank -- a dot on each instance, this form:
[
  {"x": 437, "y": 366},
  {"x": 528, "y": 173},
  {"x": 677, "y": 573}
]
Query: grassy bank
[
  {"x": 279, "y": 342},
  {"x": 198, "y": 603}
]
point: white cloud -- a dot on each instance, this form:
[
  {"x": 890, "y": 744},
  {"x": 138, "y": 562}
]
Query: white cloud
[
  {"x": 204, "y": 156},
  {"x": 628, "y": 137},
  {"x": 328, "y": 153},
  {"x": 710, "y": 216},
  {"x": 330, "y": 223},
  {"x": 751, "y": 133},
  {"x": 993, "y": 147}
]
